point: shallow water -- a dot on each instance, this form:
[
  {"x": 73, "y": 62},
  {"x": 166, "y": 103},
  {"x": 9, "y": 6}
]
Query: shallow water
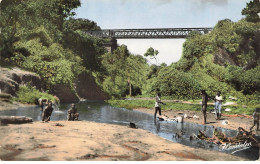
[{"x": 99, "y": 111}]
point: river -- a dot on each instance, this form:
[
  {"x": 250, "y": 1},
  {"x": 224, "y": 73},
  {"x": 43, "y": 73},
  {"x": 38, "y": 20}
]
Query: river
[{"x": 100, "y": 111}]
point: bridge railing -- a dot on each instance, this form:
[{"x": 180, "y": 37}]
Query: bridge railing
[{"x": 147, "y": 33}]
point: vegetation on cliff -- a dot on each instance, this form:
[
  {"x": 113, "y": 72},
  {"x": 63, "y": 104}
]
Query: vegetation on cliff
[
  {"x": 45, "y": 38},
  {"x": 226, "y": 59}
]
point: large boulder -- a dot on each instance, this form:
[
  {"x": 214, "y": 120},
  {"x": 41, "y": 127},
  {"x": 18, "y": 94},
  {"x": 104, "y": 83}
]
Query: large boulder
[
  {"x": 87, "y": 88},
  {"x": 10, "y": 79},
  {"x": 65, "y": 93}
]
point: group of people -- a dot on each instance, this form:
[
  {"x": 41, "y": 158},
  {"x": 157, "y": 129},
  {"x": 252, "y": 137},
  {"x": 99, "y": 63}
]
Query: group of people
[
  {"x": 218, "y": 105},
  {"x": 72, "y": 113}
]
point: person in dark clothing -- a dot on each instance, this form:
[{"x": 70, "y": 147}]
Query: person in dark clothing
[
  {"x": 46, "y": 114},
  {"x": 72, "y": 113},
  {"x": 256, "y": 116},
  {"x": 205, "y": 99}
]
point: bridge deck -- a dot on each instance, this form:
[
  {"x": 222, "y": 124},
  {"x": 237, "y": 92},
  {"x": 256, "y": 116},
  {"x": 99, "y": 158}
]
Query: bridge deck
[{"x": 157, "y": 33}]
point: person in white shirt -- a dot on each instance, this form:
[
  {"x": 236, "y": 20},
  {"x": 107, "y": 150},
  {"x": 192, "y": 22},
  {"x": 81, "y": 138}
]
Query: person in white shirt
[
  {"x": 218, "y": 104},
  {"x": 157, "y": 105}
]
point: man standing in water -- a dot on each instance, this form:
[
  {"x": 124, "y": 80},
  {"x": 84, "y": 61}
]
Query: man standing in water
[
  {"x": 256, "y": 117},
  {"x": 157, "y": 105},
  {"x": 46, "y": 114},
  {"x": 218, "y": 104},
  {"x": 72, "y": 113},
  {"x": 205, "y": 99}
]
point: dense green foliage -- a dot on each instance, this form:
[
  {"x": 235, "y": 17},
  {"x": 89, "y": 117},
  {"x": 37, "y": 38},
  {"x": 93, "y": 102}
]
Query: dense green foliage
[
  {"x": 125, "y": 73},
  {"x": 226, "y": 59},
  {"x": 29, "y": 95},
  {"x": 43, "y": 37},
  {"x": 252, "y": 10}
]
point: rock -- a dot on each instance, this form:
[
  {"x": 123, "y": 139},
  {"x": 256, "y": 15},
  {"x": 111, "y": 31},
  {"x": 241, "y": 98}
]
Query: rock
[
  {"x": 87, "y": 88},
  {"x": 8, "y": 86},
  {"x": 195, "y": 116},
  {"x": 58, "y": 124},
  {"x": 193, "y": 137},
  {"x": 229, "y": 103},
  {"x": 10, "y": 79},
  {"x": 65, "y": 93},
  {"x": 225, "y": 122},
  {"x": 228, "y": 110},
  {"x": 232, "y": 98},
  {"x": 222, "y": 57},
  {"x": 132, "y": 125}
]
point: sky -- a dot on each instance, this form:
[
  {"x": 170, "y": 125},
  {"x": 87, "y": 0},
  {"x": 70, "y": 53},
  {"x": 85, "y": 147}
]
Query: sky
[{"x": 127, "y": 14}]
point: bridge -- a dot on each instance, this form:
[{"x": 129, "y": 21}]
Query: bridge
[{"x": 152, "y": 33}]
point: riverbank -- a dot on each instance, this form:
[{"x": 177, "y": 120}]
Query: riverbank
[
  {"x": 227, "y": 121},
  {"x": 83, "y": 140},
  {"x": 230, "y": 120}
]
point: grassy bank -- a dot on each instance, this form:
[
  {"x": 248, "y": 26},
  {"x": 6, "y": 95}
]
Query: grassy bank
[{"x": 134, "y": 104}]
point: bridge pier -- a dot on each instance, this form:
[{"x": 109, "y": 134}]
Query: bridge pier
[{"x": 111, "y": 45}]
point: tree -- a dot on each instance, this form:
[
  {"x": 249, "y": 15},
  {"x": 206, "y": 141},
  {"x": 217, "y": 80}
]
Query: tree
[
  {"x": 73, "y": 24},
  {"x": 20, "y": 17},
  {"x": 152, "y": 53},
  {"x": 125, "y": 73},
  {"x": 252, "y": 11}
]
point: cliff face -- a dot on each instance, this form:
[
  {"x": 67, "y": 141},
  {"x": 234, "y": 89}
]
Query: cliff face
[
  {"x": 223, "y": 58},
  {"x": 247, "y": 55},
  {"x": 10, "y": 79}
]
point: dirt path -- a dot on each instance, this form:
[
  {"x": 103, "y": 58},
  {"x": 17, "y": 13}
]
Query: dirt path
[
  {"x": 92, "y": 141},
  {"x": 233, "y": 122}
]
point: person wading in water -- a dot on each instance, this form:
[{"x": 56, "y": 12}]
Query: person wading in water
[
  {"x": 157, "y": 105},
  {"x": 205, "y": 99},
  {"x": 46, "y": 114}
]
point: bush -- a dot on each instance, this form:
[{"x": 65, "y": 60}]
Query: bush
[
  {"x": 30, "y": 95},
  {"x": 174, "y": 83}
]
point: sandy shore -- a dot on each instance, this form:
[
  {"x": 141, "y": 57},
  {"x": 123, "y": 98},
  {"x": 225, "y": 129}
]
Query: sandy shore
[
  {"x": 82, "y": 140},
  {"x": 233, "y": 122}
]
